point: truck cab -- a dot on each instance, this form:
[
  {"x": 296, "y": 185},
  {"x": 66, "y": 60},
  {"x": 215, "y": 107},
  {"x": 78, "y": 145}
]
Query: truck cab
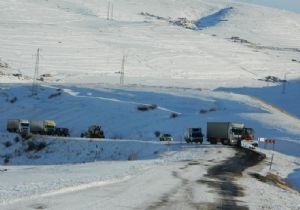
[
  {"x": 24, "y": 126},
  {"x": 248, "y": 134},
  {"x": 49, "y": 126}
]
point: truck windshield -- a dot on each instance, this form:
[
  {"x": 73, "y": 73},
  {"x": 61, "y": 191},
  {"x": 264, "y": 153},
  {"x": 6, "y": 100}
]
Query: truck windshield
[
  {"x": 196, "y": 134},
  {"x": 24, "y": 124},
  {"x": 249, "y": 131},
  {"x": 237, "y": 131}
]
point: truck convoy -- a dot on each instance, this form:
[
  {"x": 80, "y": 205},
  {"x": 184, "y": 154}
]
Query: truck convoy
[
  {"x": 193, "y": 135},
  {"x": 18, "y": 126},
  {"x": 228, "y": 133},
  {"x": 26, "y": 127}
]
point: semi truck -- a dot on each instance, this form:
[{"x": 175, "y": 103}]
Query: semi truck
[
  {"x": 46, "y": 127},
  {"x": 193, "y": 135},
  {"x": 228, "y": 133},
  {"x": 18, "y": 126}
]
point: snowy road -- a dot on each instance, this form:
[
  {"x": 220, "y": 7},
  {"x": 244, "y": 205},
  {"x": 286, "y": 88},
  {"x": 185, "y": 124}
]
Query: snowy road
[{"x": 185, "y": 184}]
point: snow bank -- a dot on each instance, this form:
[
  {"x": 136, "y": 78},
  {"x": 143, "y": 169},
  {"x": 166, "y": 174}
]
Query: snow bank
[{"x": 75, "y": 150}]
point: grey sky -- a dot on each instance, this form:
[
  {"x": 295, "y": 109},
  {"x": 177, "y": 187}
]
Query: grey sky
[{"x": 291, "y": 5}]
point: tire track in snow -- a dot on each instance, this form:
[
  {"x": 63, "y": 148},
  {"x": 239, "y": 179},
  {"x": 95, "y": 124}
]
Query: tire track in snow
[
  {"x": 221, "y": 178},
  {"x": 76, "y": 94},
  {"x": 66, "y": 190}
]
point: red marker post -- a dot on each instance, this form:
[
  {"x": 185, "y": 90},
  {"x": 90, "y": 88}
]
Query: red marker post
[{"x": 269, "y": 141}]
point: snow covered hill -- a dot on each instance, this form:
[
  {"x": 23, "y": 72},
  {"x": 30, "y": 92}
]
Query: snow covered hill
[
  {"x": 78, "y": 44},
  {"x": 191, "y": 61}
]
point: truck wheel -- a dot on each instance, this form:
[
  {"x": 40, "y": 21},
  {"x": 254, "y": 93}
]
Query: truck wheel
[
  {"x": 239, "y": 143},
  {"x": 213, "y": 141}
]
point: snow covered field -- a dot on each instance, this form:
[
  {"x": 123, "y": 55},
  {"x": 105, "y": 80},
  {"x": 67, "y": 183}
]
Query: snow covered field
[{"x": 192, "y": 75}]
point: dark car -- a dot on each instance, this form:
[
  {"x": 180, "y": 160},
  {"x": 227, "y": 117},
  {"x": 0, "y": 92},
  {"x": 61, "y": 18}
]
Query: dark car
[{"x": 166, "y": 137}]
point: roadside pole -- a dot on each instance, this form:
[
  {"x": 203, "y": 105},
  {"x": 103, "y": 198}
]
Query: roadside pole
[
  {"x": 271, "y": 141},
  {"x": 271, "y": 161}
]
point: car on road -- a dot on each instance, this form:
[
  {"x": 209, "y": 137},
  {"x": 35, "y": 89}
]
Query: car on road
[{"x": 166, "y": 137}]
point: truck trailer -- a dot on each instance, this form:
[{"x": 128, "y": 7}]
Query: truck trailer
[
  {"x": 228, "y": 133},
  {"x": 46, "y": 127}
]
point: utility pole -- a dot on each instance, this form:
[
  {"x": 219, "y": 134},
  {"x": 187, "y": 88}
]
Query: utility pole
[
  {"x": 112, "y": 11},
  {"x": 108, "y": 10},
  {"x": 36, "y": 73},
  {"x": 122, "y": 73}
]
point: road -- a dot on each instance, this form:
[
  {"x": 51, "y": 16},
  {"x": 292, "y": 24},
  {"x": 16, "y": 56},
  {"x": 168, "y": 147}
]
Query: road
[{"x": 190, "y": 184}]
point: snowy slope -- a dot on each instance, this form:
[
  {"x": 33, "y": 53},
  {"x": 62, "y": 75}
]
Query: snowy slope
[
  {"x": 79, "y": 45},
  {"x": 116, "y": 110}
]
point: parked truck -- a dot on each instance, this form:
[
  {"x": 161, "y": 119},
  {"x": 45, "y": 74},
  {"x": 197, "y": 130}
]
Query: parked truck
[
  {"x": 20, "y": 126},
  {"x": 193, "y": 135},
  {"x": 228, "y": 133},
  {"x": 46, "y": 127}
]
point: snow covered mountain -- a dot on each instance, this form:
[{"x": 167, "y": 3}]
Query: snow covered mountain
[
  {"x": 193, "y": 61},
  {"x": 79, "y": 45}
]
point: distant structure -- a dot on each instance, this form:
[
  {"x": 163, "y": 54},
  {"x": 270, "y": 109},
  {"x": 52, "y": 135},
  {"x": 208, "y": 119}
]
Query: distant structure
[
  {"x": 122, "y": 72},
  {"x": 36, "y": 74},
  {"x": 110, "y": 11}
]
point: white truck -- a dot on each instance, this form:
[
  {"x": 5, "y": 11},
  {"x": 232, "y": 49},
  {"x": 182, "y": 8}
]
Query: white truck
[
  {"x": 226, "y": 132},
  {"x": 193, "y": 135},
  {"x": 20, "y": 126}
]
